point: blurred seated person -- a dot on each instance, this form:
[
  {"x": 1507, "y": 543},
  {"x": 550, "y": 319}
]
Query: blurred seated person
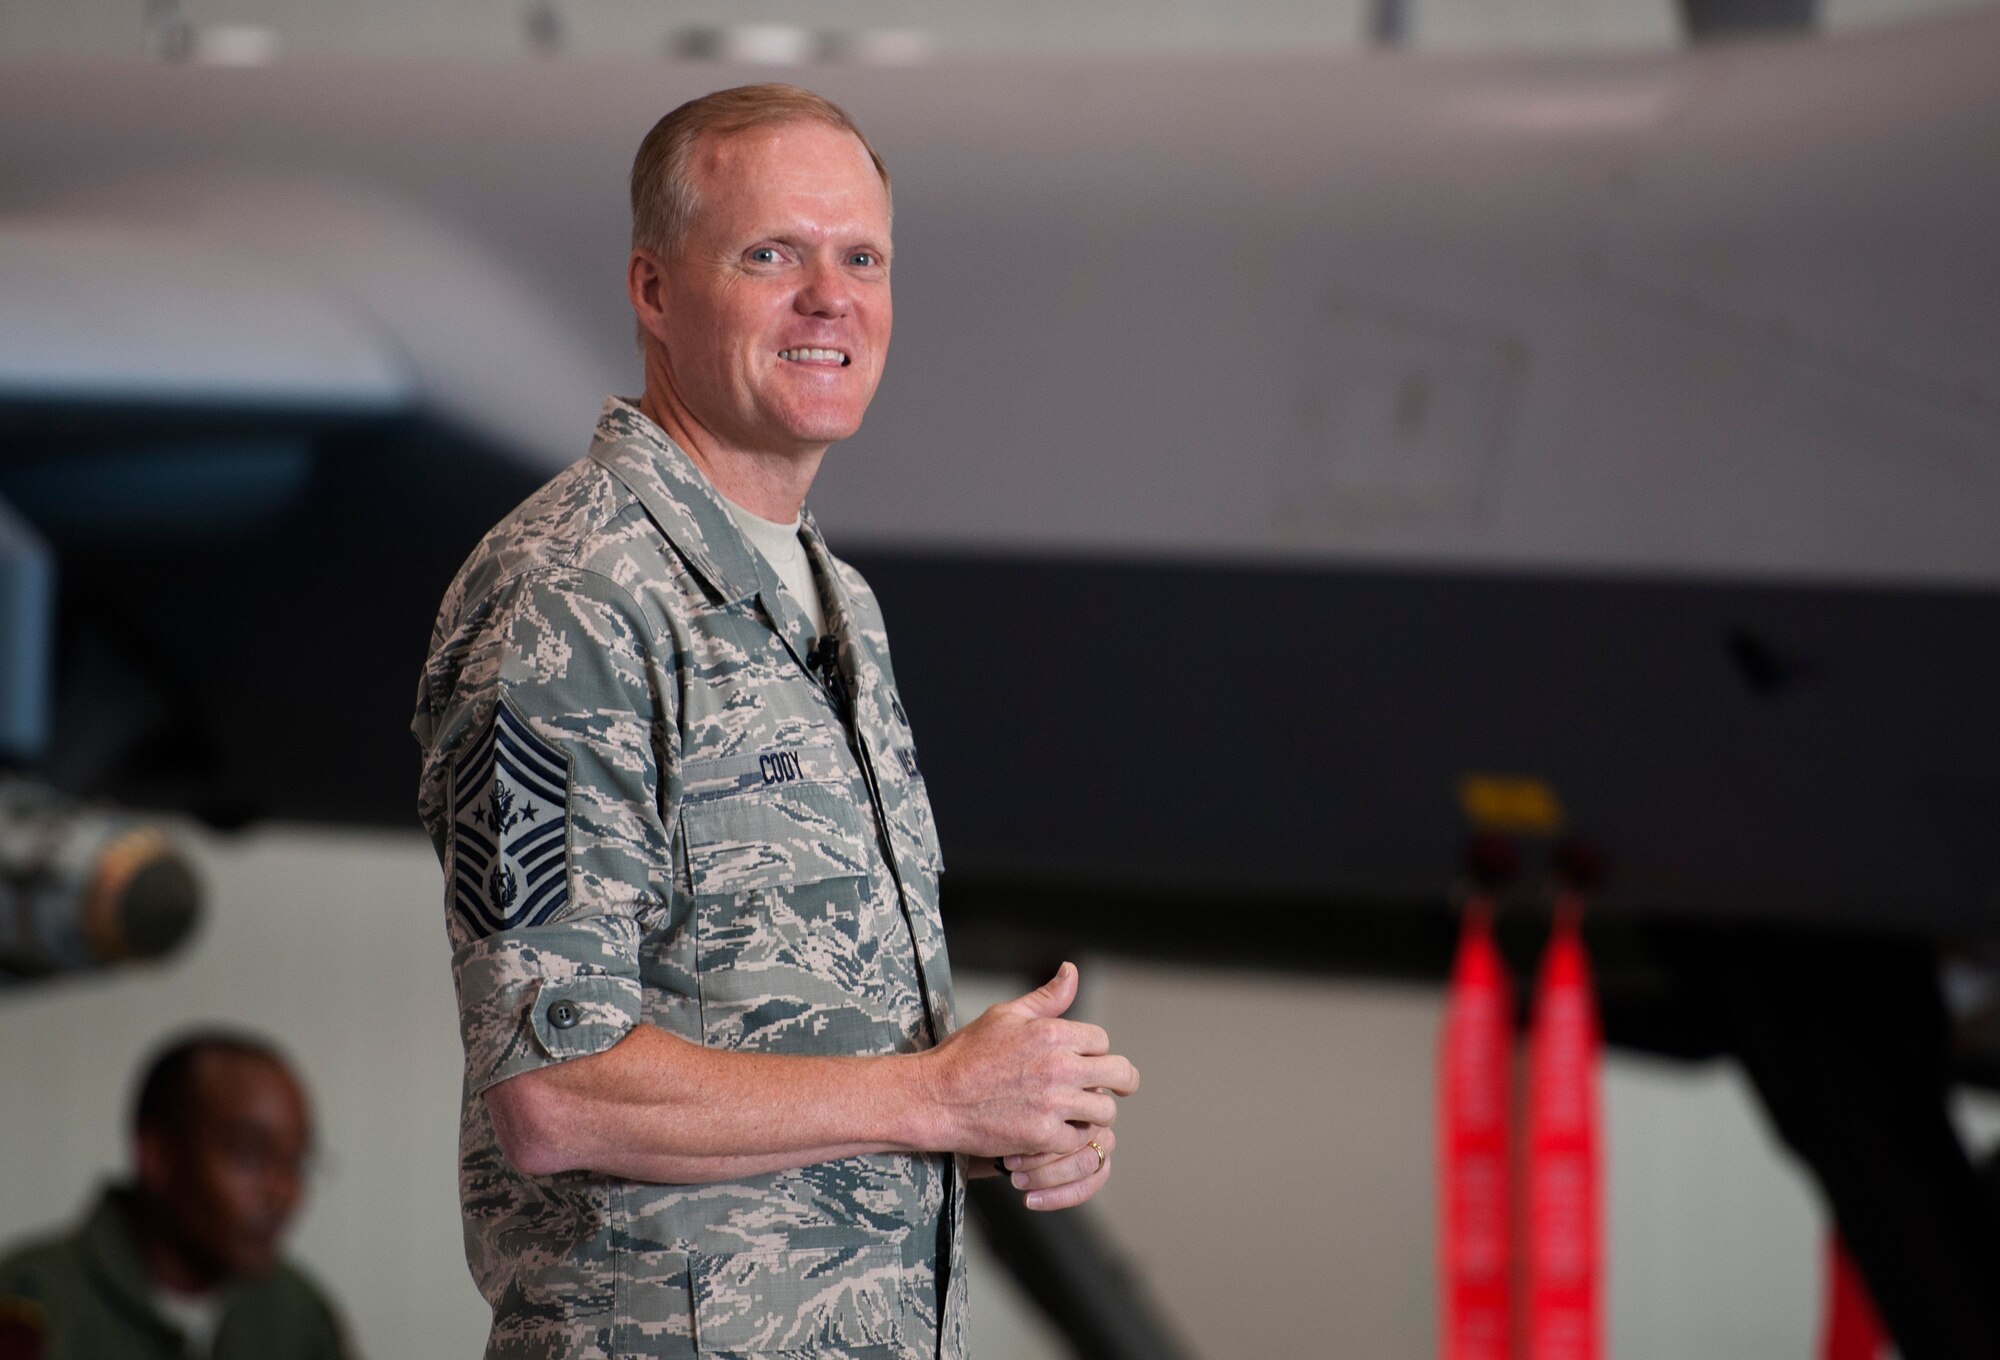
[{"x": 182, "y": 1263}]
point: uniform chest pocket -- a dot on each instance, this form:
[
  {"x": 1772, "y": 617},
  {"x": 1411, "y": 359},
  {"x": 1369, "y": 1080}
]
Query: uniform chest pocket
[
  {"x": 782, "y": 836},
  {"x": 784, "y": 946}
]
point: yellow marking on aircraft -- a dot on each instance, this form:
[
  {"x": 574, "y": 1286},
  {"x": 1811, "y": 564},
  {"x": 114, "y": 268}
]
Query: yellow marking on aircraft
[{"x": 1509, "y": 804}]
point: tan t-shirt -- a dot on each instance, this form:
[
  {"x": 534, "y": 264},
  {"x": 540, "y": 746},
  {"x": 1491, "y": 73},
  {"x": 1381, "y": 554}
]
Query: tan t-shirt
[{"x": 782, "y": 548}]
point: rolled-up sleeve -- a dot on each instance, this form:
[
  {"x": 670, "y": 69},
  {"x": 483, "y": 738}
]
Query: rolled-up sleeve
[{"x": 547, "y": 782}]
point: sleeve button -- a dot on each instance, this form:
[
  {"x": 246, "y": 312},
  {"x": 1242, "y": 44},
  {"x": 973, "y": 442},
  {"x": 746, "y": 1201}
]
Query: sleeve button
[{"x": 563, "y": 1015}]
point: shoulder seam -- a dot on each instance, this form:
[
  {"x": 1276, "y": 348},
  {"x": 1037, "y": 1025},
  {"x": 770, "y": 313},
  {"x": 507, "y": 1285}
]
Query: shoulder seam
[{"x": 505, "y": 583}]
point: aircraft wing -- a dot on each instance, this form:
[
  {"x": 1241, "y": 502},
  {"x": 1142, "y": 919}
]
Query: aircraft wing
[{"x": 1283, "y": 446}]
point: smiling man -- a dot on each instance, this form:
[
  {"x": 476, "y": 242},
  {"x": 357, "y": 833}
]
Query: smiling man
[{"x": 715, "y": 1103}]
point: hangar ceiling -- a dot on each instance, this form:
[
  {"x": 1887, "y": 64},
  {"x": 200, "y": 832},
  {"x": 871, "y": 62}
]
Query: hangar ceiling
[{"x": 791, "y": 31}]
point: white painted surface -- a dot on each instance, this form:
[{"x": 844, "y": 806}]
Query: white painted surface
[
  {"x": 95, "y": 312},
  {"x": 1274, "y": 1175},
  {"x": 1718, "y": 313}
]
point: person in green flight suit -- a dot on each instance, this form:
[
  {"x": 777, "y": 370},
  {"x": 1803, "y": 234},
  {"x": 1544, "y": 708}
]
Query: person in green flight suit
[{"x": 183, "y": 1262}]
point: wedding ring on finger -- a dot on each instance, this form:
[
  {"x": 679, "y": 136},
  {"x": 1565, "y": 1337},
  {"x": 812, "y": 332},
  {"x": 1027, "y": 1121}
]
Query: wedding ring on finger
[{"x": 1101, "y": 1158}]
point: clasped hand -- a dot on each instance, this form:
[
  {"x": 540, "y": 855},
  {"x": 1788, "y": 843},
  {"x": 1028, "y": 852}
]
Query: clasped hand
[{"x": 1024, "y": 1085}]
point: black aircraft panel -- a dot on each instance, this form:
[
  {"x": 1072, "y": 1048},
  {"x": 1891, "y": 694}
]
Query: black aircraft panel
[
  {"x": 1203, "y": 731},
  {"x": 1822, "y": 753}
]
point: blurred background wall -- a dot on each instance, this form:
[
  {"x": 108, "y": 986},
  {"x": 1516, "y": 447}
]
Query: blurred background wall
[{"x": 1274, "y": 1176}]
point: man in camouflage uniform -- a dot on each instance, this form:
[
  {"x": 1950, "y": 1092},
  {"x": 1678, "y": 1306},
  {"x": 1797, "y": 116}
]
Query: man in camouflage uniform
[{"x": 714, "y": 1101}]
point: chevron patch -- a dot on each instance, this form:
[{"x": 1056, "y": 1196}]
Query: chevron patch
[{"x": 510, "y": 841}]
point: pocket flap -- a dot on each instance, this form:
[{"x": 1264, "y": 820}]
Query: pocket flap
[
  {"x": 760, "y": 1301},
  {"x": 787, "y": 834}
]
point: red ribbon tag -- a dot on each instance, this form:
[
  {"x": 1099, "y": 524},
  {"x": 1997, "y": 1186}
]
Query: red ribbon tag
[
  {"x": 1475, "y": 1099},
  {"x": 1565, "y": 1300},
  {"x": 1853, "y": 1331}
]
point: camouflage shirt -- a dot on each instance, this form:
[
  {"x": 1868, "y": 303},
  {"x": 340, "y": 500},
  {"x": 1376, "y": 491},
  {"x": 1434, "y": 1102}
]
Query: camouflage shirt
[{"x": 651, "y": 809}]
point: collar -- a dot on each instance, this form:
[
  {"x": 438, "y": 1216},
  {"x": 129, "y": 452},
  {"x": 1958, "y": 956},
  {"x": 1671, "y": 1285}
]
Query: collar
[
  {"x": 694, "y": 517},
  {"x": 835, "y": 600},
  {"x": 112, "y": 1253},
  {"x": 679, "y": 497}
]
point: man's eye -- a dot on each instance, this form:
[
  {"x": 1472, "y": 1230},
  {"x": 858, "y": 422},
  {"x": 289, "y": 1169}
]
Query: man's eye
[
  {"x": 863, "y": 259},
  {"x": 248, "y": 1154},
  {"x": 764, "y": 255}
]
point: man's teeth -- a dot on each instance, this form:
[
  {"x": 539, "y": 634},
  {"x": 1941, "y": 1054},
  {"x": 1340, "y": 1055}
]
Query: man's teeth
[{"x": 809, "y": 356}]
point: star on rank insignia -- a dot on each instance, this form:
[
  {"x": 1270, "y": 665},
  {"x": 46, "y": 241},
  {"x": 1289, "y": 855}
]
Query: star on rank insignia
[{"x": 510, "y": 796}]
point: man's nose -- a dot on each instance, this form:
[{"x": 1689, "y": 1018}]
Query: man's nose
[
  {"x": 826, "y": 292},
  {"x": 283, "y": 1186}
]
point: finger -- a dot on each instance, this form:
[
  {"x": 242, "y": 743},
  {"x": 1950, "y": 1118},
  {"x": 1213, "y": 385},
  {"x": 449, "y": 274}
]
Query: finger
[
  {"x": 1092, "y": 1107},
  {"x": 1072, "y": 1194},
  {"x": 1039, "y": 1160},
  {"x": 1076, "y": 1166},
  {"x": 1106, "y": 1139},
  {"x": 1112, "y": 1073},
  {"x": 1053, "y": 997}
]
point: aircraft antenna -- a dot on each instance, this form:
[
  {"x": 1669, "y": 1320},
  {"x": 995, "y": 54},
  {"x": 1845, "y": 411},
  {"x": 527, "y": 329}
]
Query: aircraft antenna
[
  {"x": 1390, "y": 22},
  {"x": 169, "y": 35},
  {"x": 546, "y": 27}
]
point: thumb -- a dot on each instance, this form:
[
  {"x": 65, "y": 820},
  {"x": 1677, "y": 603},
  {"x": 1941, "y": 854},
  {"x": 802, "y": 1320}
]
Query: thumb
[{"x": 1053, "y": 997}]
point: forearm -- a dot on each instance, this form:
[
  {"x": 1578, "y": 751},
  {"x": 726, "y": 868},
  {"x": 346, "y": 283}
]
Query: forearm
[
  {"x": 1018, "y": 1081},
  {"x": 659, "y": 1108},
  {"x": 683, "y": 1169}
]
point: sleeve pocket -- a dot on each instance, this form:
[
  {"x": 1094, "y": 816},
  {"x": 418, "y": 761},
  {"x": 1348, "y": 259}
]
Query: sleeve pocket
[{"x": 580, "y": 1016}]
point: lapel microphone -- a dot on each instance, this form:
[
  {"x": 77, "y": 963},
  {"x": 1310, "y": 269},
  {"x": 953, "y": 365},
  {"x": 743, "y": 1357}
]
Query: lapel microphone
[{"x": 825, "y": 661}]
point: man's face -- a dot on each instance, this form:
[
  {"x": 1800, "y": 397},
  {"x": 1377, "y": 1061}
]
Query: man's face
[
  {"x": 776, "y": 306},
  {"x": 229, "y": 1183}
]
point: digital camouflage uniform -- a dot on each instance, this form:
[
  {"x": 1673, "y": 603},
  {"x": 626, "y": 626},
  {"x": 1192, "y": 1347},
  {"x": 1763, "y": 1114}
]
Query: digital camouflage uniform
[{"x": 648, "y": 809}]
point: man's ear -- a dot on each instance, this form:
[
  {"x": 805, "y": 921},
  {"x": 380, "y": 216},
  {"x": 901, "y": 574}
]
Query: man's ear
[
  {"x": 152, "y": 1160},
  {"x": 645, "y": 285}
]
